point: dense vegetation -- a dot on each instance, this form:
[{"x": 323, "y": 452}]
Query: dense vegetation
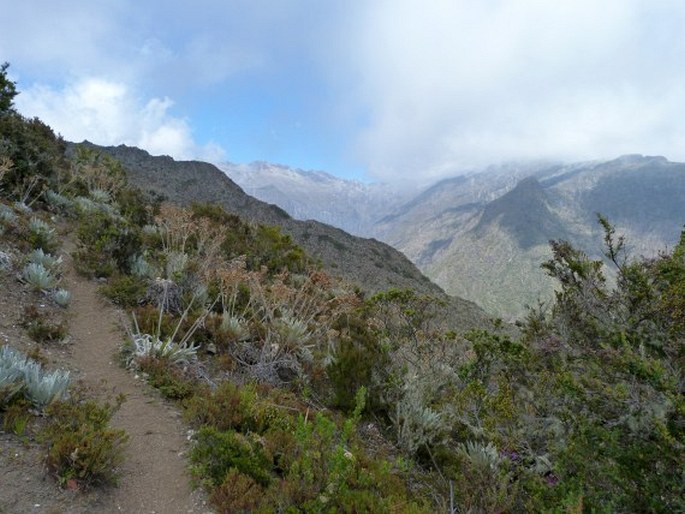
[{"x": 307, "y": 396}]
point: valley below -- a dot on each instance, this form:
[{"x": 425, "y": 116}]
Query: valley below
[{"x": 483, "y": 235}]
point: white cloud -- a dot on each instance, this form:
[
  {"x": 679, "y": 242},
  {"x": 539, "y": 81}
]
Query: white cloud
[
  {"x": 453, "y": 84},
  {"x": 406, "y": 88},
  {"x": 110, "y": 113}
]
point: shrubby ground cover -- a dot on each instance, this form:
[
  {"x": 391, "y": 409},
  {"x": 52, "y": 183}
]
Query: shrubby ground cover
[{"x": 307, "y": 395}]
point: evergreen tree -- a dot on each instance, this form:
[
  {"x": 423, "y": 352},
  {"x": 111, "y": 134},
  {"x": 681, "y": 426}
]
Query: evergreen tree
[{"x": 8, "y": 90}]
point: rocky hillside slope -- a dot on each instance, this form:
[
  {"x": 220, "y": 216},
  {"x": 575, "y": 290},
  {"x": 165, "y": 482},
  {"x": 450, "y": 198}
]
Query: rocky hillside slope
[
  {"x": 374, "y": 265},
  {"x": 484, "y": 236}
]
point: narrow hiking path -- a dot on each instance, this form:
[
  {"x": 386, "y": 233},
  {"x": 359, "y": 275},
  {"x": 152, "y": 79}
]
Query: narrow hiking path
[{"x": 154, "y": 477}]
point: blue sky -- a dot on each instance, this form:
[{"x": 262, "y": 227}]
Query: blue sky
[{"x": 403, "y": 91}]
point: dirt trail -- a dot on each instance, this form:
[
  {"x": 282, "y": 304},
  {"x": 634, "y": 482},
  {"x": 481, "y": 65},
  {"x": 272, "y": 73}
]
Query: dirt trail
[{"x": 154, "y": 475}]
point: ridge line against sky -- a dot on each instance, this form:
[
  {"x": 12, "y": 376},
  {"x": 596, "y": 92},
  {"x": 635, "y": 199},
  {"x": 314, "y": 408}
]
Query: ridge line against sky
[{"x": 397, "y": 91}]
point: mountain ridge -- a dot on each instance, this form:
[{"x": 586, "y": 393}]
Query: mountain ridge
[
  {"x": 347, "y": 204},
  {"x": 372, "y": 264},
  {"x": 449, "y": 228},
  {"x": 496, "y": 247}
]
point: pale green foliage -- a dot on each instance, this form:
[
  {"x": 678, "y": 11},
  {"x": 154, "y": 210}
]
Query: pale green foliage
[
  {"x": 235, "y": 327},
  {"x": 11, "y": 358},
  {"x": 12, "y": 364},
  {"x": 38, "y": 276},
  {"x": 39, "y": 227},
  {"x": 200, "y": 294},
  {"x": 44, "y": 388},
  {"x": 9, "y": 377},
  {"x": 142, "y": 269},
  {"x": 482, "y": 457},
  {"x": 150, "y": 230},
  {"x": 58, "y": 201},
  {"x": 61, "y": 297},
  {"x": 146, "y": 345},
  {"x": 100, "y": 196},
  {"x": 5, "y": 258},
  {"x": 47, "y": 260},
  {"x": 22, "y": 207},
  {"x": 176, "y": 262},
  {"x": 85, "y": 205},
  {"x": 154, "y": 345},
  {"x": 486, "y": 484},
  {"x": 41, "y": 235},
  {"x": 7, "y": 215},
  {"x": 291, "y": 331},
  {"x": 416, "y": 423},
  {"x": 19, "y": 372}
]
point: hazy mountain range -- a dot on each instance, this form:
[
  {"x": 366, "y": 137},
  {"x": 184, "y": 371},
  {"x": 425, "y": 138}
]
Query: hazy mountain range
[
  {"x": 347, "y": 204},
  {"x": 483, "y": 235}
]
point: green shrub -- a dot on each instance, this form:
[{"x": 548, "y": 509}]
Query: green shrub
[
  {"x": 41, "y": 327},
  {"x": 148, "y": 319},
  {"x": 223, "y": 408},
  {"x": 36, "y": 153},
  {"x": 125, "y": 290},
  {"x": 136, "y": 206},
  {"x": 357, "y": 359},
  {"x": 239, "y": 493},
  {"x": 16, "y": 416},
  {"x": 93, "y": 264},
  {"x": 249, "y": 408},
  {"x": 263, "y": 441},
  {"x": 216, "y": 453},
  {"x": 43, "y": 331},
  {"x": 263, "y": 245},
  {"x": 167, "y": 378},
  {"x": 108, "y": 243},
  {"x": 82, "y": 445}
]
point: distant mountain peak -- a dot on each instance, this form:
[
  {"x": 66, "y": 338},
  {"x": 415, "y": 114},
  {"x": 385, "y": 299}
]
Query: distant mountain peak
[
  {"x": 524, "y": 213},
  {"x": 638, "y": 159},
  {"x": 347, "y": 204}
]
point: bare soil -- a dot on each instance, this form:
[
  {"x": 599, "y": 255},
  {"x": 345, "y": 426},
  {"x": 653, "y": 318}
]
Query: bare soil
[{"x": 154, "y": 476}]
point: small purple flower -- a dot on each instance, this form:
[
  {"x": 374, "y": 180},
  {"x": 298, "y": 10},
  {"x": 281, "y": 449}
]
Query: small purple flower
[
  {"x": 512, "y": 455},
  {"x": 551, "y": 479}
]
